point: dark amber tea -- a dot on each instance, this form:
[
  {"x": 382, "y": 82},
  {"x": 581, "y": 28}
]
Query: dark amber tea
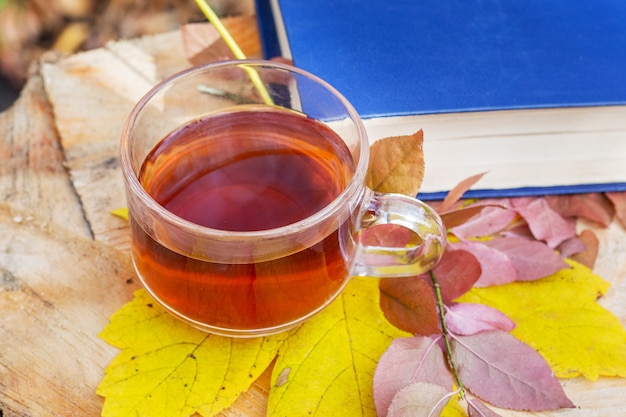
[{"x": 245, "y": 171}]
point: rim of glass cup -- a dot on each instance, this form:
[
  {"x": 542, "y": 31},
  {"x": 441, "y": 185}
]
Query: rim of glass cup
[{"x": 355, "y": 186}]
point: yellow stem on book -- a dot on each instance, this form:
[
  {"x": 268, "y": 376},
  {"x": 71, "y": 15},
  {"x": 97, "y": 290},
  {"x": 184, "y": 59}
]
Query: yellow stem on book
[{"x": 234, "y": 47}]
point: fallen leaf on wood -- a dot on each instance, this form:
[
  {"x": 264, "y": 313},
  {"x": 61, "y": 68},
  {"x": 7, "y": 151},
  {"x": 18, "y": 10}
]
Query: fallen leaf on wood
[
  {"x": 333, "y": 356},
  {"x": 169, "y": 368},
  {"x": 592, "y": 246},
  {"x": 507, "y": 373},
  {"x": 619, "y": 201},
  {"x": 419, "y": 399},
  {"x": 409, "y": 360},
  {"x": 466, "y": 319},
  {"x": 457, "y": 192},
  {"x": 409, "y": 304},
  {"x": 592, "y": 206},
  {"x": 560, "y": 317},
  {"x": 545, "y": 223}
]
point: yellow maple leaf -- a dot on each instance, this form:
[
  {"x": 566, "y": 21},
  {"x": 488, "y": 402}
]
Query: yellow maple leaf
[
  {"x": 560, "y": 317},
  {"x": 167, "y": 368},
  {"x": 326, "y": 367}
]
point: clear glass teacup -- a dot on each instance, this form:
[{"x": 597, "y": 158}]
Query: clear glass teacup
[{"x": 246, "y": 192}]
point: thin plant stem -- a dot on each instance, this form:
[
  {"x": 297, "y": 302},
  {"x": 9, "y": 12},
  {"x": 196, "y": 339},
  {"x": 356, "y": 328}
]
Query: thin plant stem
[
  {"x": 210, "y": 14},
  {"x": 446, "y": 334}
]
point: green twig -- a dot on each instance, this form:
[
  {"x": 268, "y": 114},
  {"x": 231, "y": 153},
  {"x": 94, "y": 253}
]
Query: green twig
[{"x": 446, "y": 334}]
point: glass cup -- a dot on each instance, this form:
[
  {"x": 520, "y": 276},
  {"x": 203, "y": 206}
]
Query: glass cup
[{"x": 245, "y": 184}]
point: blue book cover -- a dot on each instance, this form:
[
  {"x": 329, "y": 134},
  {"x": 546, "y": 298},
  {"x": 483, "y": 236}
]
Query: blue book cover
[{"x": 400, "y": 58}]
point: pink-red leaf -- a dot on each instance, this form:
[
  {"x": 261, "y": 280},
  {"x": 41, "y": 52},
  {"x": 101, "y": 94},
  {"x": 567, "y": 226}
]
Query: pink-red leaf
[
  {"x": 505, "y": 372},
  {"x": 532, "y": 259},
  {"x": 466, "y": 319},
  {"x": 619, "y": 202},
  {"x": 496, "y": 267},
  {"x": 592, "y": 206},
  {"x": 545, "y": 223},
  {"x": 456, "y": 273},
  {"x": 588, "y": 256},
  {"x": 457, "y": 192},
  {"x": 492, "y": 219},
  {"x": 419, "y": 399},
  {"x": 477, "y": 408},
  {"x": 409, "y": 304},
  {"x": 406, "y": 361}
]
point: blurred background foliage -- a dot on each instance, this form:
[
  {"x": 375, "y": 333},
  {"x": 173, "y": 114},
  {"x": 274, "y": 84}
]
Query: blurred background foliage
[{"x": 28, "y": 28}]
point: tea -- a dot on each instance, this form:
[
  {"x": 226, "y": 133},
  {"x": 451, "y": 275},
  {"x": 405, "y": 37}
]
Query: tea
[{"x": 246, "y": 170}]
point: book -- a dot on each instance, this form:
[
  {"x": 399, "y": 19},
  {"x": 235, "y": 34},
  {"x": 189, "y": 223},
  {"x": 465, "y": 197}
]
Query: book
[{"x": 531, "y": 92}]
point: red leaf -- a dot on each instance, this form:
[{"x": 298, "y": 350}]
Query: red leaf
[
  {"x": 496, "y": 267},
  {"x": 466, "y": 319},
  {"x": 456, "y": 274},
  {"x": 389, "y": 235},
  {"x": 531, "y": 259},
  {"x": 409, "y": 304},
  {"x": 406, "y": 361},
  {"x": 507, "y": 373},
  {"x": 592, "y": 206},
  {"x": 592, "y": 245},
  {"x": 491, "y": 219},
  {"x": 476, "y": 408},
  {"x": 457, "y": 192},
  {"x": 619, "y": 202},
  {"x": 545, "y": 223}
]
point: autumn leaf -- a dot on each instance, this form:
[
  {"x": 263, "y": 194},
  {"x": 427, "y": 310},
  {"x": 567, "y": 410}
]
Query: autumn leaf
[
  {"x": 120, "y": 212},
  {"x": 560, "y": 317},
  {"x": 592, "y": 246},
  {"x": 167, "y": 368},
  {"x": 496, "y": 267},
  {"x": 407, "y": 361},
  {"x": 492, "y": 219},
  {"x": 456, "y": 273},
  {"x": 466, "y": 319},
  {"x": 619, "y": 202},
  {"x": 477, "y": 408},
  {"x": 592, "y": 206},
  {"x": 455, "y": 194},
  {"x": 544, "y": 222},
  {"x": 327, "y": 365},
  {"x": 507, "y": 373},
  {"x": 530, "y": 258},
  {"x": 419, "y": 399},
  {"x": 409, "y": 304},
  {"x": 397, "y": 165}
]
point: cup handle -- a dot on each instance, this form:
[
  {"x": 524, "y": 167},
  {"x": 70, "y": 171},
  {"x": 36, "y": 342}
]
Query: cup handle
[{"x": 379, "y": 260}]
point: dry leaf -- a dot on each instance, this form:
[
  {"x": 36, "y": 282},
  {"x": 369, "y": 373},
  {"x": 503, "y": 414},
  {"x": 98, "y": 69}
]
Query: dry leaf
[
  {"x": 409, "y": 304},
  {"x": 592, "y": 206},
  {"x": 457, "y": 192},
  {"x": 397, "y": 165},
  {"x": 419, "y": 399},
  {"x": 592, "y": 246},
  {"x": 560, "y": 317},
  {"x": 619, "y": 202},
  {"x": 500, "y": 369},
  {"x": 407, "y": 361},
  {"x": 333, "y": 356},
  {"x": 168, "y": 368}
]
